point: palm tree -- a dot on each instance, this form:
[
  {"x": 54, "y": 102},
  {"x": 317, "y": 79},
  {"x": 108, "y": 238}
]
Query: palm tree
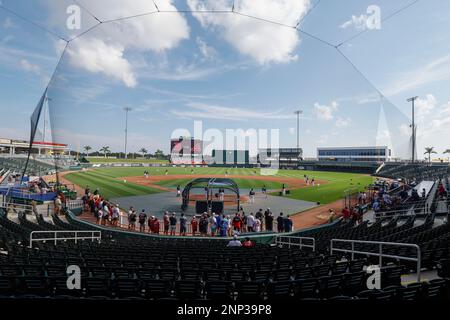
[
  {"x": 429, "y": 151},
  {"x": 87, "y": 149},
  {"x": 143, "y": 151},
  {"x": 105, "y": 150}
]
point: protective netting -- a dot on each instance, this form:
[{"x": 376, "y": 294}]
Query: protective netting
[{"x": 156, "y": 58}]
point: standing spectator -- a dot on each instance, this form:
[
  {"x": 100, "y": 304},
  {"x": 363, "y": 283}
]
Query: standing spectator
[
  {"x": 237, "y": 222},
  {"x": 142, "y": 220},
  {"x": 132, "y": 219},
  {"x": 151, "y": 223},
  {"x": 224, "y": 226},
  {"x": 250, "y": 222},
  {"x": 257, "y": 225},
  {"x": 243, "y": 222},
  {"x": 194, "y": 225},
  {"x": 166, "y": 222},
  {"x": 203, "y": 225},
  {"x": 173, "y": 224},
  {"x": 183, "y": 225},
  {"x": 269, "y": 221},
  {"x": 155, "y": 225},
  {"x": 115, "y": 215},
  {"x": 58, "y": 205},
  {"x": 287, "y": 224},
  {"x": 280, "y": 222},
  {"x": 218, "y": 222},
  {"x": 213, "y": 224}
]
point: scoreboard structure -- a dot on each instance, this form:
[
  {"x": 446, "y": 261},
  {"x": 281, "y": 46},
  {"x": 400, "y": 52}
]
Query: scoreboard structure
[
  {"x": 231, "y": 157},
  {"x": 186, "y": 150}
]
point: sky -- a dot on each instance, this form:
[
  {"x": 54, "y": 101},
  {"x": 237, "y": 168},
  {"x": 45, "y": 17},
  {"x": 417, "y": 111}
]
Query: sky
[{"x": 349, "y": 72}]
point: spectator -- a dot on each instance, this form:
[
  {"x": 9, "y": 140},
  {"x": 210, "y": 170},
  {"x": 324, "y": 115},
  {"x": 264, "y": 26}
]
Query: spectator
[
  {"x": 150, "y": 222},
  {"x": 213, "y": 224},
  {"x": 243, "y": 222},
  {"x": 280, "y": 223},
  {"x": 257, "y": 225},
  {"x": 115, "y": 215},
  {"x": 269, "y": 221},
  {"x": 58, "y": 205},
  {"x": 234, "y": 243},
  {"x": 237, "y": 222},
  {"x": 331, "y": 216},
  {"x": 166, "y": 222},
  {"x": 287, "y": 224},
  {"x": 142, "y": 220},
  {"x": 194, "y": 225},
  {"x": 203, "y": 225},
  {"x": 173, "y": 224},
  {"x": 132, "y": 220},
  {"x": 155, "y": 225},
  {"x": 224, "y": 226},
  {"x": 346, "y": 213},
  {"x": 250, "y": 222},
  {"x": 248, "y": 243},
  {"x": 183, "y": 225}
]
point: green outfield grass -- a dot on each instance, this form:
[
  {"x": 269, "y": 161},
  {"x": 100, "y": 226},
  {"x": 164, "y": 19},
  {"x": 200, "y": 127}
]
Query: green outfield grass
[
  {"x": 112, "y": 160},
  {"x": 109, "y": 187},
  {"x": 106, "y": 180},
  {"x": 334, "y": 189}
]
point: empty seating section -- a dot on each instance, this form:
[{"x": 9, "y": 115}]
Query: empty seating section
[
  {"x": 205, "y": 269},
  {"x": 414, "y": 171},
  {"x": 16, "y": 164}
]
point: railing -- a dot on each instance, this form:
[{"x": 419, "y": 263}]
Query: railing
[
  {"x": 380, "y": 253},
  {"x": 94, "y": 235},
  {"x": 295, "y": 241},
  {"x": 74, "y": 204}
]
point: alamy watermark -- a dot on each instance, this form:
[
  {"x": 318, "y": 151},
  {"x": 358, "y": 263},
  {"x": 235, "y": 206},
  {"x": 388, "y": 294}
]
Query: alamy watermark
[{"x": 229, "y": 146}]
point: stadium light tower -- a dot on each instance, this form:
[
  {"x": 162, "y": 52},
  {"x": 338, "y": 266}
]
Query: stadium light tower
[
  {"x": 413, "y": 127},
  {"x": 298, "y": 113},
  {"x": 126, "y": 109}
]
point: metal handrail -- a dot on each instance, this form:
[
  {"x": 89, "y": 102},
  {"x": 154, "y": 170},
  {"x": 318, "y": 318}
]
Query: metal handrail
[
  {"x": 279, "y": 241},
  {"x": 95, "y": 235},
  {"x": 380, "y": 253}
]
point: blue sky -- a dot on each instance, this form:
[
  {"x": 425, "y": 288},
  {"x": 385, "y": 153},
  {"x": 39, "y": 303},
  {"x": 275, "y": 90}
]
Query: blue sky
[{"x": 229, "y": 71}]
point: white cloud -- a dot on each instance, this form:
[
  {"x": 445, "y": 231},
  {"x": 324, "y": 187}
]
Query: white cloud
[
  {"x": 264, "y": 42},
  {"x": 358, "y": 22},
  {"x": 30, "y": 67},
  {"x": 103, "y": 50},
  {"x": 207, "y": 51},
  {"x": 206, "y": 111},
  {"x": 95, "y": 56},
  {"x": 324, "y": 112},
  {"x": 343, "y": 123},
  {"x": 425, "y": 106},
  {"x": 434, "y": 71}
]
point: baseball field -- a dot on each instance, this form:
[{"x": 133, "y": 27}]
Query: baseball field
[{"x": 130, "y": 181}]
